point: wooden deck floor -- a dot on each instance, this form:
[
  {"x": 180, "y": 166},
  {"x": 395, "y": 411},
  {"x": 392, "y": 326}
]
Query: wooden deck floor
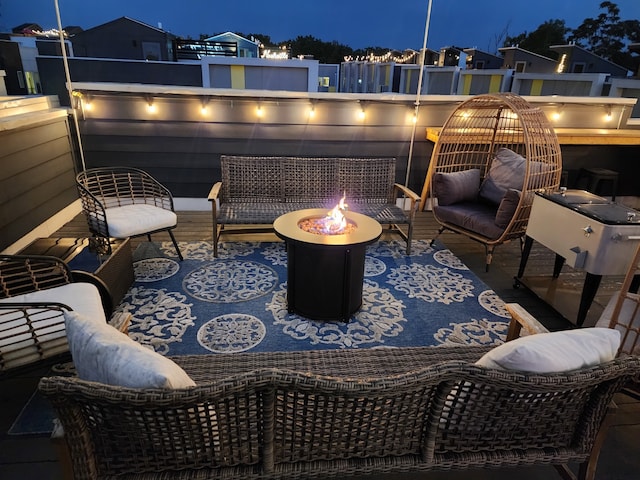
[{"x": 32, "y": 457}]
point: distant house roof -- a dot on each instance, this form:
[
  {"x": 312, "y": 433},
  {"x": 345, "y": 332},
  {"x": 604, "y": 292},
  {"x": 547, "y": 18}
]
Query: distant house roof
[
  {"x": 477, "y": 50},
  {"x": 27, "y": 28},
  {"x": 73, "y": 29},
  {"x": 568, "y": 48},
  {"x": 231, "y": 34},
  {"x": 127, "y": 19},
  {"x": 522, "y": 50}
]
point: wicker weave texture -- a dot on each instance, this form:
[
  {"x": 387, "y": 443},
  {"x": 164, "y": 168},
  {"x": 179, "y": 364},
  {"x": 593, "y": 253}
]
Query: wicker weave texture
[
  {"x": 483, "y": 124},
  {"x": 334, "y": 413},
  {"x": 304, "y": 179}
]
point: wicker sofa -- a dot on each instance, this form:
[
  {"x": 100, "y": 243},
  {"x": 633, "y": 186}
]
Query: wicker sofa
[
  {"x": 257, "y": 190},
  {"x": 320, "y": 414}
]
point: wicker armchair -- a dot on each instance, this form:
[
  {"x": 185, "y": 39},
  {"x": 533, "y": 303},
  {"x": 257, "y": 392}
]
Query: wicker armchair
[
  {"x": 471, "y": 139},
  {"x": 34, "y": 292},
  {"x": 31, "y": 319},
  {"x": 124, "y": 202}
]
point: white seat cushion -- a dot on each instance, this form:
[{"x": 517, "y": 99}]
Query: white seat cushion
[
  {"x": 81, "y": 297},
  {"x": 138, "y": 219}
]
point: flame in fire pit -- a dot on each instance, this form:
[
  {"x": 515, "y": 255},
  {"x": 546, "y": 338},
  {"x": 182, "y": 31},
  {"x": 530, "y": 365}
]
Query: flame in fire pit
[{"x": 334, "y": 223}]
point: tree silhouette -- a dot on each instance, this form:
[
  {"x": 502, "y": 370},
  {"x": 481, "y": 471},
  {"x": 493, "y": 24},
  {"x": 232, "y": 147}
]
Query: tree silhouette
[
  {"x": 551, "y": 32},
  {"x": 607, "y": 35}
]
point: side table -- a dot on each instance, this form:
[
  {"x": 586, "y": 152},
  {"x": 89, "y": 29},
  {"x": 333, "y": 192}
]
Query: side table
[{"x": 115, "y": 270}]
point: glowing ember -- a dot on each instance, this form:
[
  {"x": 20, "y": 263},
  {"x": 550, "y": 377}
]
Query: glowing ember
[{"x": 334, "y": 223}]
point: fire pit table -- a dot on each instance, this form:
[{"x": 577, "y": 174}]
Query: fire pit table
[{"x": 325, "y": 271}]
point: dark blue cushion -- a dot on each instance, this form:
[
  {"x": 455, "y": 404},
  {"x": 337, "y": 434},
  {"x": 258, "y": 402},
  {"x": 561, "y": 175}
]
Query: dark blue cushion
[
  {"x": 507, "y": 208},
  {"x": 455, "y": 187},
  {"x": 475, "y": 217},
  {"x": 507, "y": 171}
]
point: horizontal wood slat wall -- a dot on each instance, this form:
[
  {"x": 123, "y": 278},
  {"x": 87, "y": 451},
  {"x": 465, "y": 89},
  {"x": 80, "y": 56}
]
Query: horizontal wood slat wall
[
  {"x": 182, "y": 149},
  {"x": 37, "y": 176}
]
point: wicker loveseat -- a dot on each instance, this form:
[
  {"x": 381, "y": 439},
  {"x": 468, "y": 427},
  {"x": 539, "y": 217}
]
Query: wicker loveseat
[
  {"x": 257, "y": 190},
  {"x": 320, "y": 414}
]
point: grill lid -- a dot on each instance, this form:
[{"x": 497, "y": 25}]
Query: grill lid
[
  {"x": 595, "y": 207},
  {"x": 611, "y": 214}
]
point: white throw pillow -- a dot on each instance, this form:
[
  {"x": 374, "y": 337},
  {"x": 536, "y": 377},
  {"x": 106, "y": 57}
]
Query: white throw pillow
[
  {"x": 555, "y": 352},
  {"x": 103, "y": 354}
]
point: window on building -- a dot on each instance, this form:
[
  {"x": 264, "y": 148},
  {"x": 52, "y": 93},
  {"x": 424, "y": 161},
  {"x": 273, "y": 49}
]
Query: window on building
[
  {"x": 151, "y": 51},
  {"x": 33, "y": 83},
  {"x": 521, "y": 66},
  {"x": 578, "y": 67}
]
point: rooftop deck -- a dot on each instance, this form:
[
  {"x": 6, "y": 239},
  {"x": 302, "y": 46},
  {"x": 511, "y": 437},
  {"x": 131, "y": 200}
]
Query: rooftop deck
[{"x": 25, "y": 457}]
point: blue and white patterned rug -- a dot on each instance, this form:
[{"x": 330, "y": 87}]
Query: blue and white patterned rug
[{"x": 237, "y": 302}]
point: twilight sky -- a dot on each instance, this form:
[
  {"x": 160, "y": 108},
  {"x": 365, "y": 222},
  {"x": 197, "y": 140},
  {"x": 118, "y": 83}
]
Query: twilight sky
[{"x": 356, "y": 23}]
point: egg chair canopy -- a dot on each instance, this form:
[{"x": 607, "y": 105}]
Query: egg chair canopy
[{"x": 479, "y": 131}]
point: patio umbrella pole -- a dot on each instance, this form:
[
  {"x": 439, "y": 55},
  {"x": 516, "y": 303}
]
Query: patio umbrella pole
[
  {"x": 68, "y": 78},
  {"x": 419, "y": 91}
]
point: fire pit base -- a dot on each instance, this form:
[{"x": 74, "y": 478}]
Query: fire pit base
[
  {"x": 325, "y": 272},
  {"x": 324, "y": 283}
]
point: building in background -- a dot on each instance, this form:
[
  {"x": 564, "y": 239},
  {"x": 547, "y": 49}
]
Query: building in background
[
  {"x": 245, "y": 48},
  {"x": 524, "y": 61},
  {"x": 125, "y": 38},
  {"x": 479, "y": 60},
  {"x": 575, "y": 59}
]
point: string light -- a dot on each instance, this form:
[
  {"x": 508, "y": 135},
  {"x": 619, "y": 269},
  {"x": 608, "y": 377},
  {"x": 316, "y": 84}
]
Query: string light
[
  {"x": 361, "y": 113},
  {"x": 557, "y": 114},
  {"x": 390, "y": 56},
  {"x": 151, "y": 107},
  {"x": 204, "y": 108}
]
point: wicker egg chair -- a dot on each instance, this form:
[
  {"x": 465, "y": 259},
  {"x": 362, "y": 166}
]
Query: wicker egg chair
[{"x": 474, "y": 133}]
